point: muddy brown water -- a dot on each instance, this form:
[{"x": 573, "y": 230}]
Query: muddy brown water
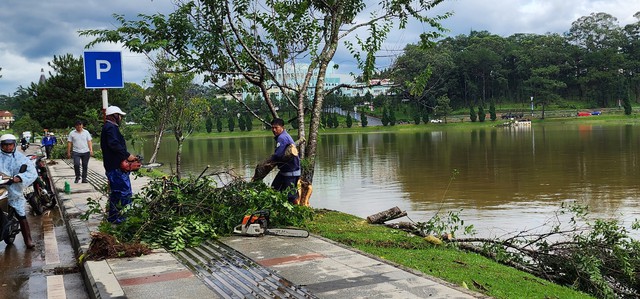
[{"x": 501, "y": 180}]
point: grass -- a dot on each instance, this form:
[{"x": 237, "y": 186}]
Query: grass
[{"x": 445, "y": 262}]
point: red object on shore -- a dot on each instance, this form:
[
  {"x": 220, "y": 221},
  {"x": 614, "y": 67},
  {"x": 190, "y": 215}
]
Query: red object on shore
[{"x": 584, "y": 113}]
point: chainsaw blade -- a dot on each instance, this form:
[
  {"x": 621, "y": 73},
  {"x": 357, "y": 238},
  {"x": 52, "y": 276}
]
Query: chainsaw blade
[{"x": 287, "y": 232}]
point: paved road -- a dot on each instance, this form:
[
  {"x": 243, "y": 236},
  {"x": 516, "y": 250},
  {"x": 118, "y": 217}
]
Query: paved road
[{"x": 49, "y": 270}]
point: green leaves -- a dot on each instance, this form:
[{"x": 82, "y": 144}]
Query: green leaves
[{"x": 176, "y": 214}]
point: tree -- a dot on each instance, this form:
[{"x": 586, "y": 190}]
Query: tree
[
  {"x": 472, "y": 114},
  {"x": 180, "y": 108},
  {"x": 392, "y": 117},
  {"x": 416, "y": 116},
  {"x": 492, "y": 111},
  {"x": 443, "y": 109},
  {"x": 25, "y": 123},
  {"x": 159, "y": 102},
  {"x": 385, "y": 116},
  {"x": 209, "y": 125},
  {"x": 220, "y": 39},
  {"x": 231, "y": 123},
  {"x": 481, "y": 114},
  {"x": 349, "y": 120},
  {"x": 63, "y": 93},
  {"x": 627, "y": 106},
  {"x": 363, "y": 118},
  {"x": 248, "y": 121},
  {"x": 219, "y": 125}
]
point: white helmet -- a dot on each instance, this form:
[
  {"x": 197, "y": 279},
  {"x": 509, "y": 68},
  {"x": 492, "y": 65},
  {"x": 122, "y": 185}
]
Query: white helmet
[
  {"x": 8, "y": 139},
  {"x": 114, "y": 110}
]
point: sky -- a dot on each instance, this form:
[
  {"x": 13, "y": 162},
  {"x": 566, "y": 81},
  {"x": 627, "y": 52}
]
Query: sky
[{"x": 33, "y": 31}]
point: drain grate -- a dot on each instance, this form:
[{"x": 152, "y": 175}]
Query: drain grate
[{"x": 233, "y": 275}]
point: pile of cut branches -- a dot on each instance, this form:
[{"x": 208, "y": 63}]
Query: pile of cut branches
[{"x": 175, "y": 214}]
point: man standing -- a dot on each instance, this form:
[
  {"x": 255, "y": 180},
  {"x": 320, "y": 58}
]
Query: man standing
[
  {"x": 22, "y": 173},
  {"x": 289, "y": 165},
  {"x": 114, "y": 151},
  {"x": 80, "y": 140},
  {"x": 48, "y": 141}
]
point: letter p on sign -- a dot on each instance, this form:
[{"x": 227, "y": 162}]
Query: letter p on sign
[
  {"x": 102, "y": 66},
  {"x": 103, "y": 70}
]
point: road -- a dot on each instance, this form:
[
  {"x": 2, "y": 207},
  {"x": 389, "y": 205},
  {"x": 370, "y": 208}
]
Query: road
[{"x": 49, "y": 270}]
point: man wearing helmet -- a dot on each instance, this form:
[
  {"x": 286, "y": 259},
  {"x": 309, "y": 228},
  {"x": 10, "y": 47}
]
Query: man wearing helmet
[
  {"x": 22, "y": 173},
  {"x": 114, "y": 151}
]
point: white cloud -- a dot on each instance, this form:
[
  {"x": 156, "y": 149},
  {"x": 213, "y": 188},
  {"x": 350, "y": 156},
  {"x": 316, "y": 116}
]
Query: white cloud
[{"x": 33, "y": 31}]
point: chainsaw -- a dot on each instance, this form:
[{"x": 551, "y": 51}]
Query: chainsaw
[{"x": 257, "y": 224}]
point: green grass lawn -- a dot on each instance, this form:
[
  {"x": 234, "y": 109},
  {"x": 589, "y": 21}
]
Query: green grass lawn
[{"x": 446, "y": 262}]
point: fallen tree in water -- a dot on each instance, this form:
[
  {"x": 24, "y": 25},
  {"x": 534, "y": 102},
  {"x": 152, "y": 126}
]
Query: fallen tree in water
[{"x": 598, "y": 256}]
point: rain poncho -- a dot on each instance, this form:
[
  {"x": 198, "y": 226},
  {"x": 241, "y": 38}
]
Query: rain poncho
[{"x": 10, "y": 165}]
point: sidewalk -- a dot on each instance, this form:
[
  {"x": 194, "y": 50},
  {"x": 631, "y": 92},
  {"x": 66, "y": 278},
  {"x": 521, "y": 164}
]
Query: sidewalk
[{"x": 314, "y": 265}]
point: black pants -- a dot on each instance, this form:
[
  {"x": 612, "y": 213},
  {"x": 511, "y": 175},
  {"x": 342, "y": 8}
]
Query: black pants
[
  {"x": 47, "y": 149},
  {"x": 282, "y": 183},
  {"x": 85, "y": 163}
]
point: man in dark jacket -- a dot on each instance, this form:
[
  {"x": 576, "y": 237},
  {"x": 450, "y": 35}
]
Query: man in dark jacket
[
  {"x": 114, "y": 151},
  {"x": 289, "y": 165}
]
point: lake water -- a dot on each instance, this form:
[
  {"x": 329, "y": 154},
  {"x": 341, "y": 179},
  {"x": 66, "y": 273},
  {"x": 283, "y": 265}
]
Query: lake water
[{"x": 501, "y": 179}]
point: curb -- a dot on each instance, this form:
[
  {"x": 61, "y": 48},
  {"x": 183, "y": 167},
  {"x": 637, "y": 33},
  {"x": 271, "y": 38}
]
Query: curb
[{"x": 100, "y": 282}]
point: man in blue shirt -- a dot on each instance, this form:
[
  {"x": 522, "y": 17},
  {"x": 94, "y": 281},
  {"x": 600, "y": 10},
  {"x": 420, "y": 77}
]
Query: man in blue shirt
[
  {"x": 114, "y": 151},
  {"x": 48, "y": 141},
  {"x": 289, "y": 165}
]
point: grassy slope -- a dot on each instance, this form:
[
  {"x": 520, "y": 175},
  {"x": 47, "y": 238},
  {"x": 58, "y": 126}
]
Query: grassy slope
[{"x": 450, "y": 264}]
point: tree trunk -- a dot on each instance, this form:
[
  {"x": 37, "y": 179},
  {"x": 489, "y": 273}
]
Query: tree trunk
[
  {"x": 156, "y": 148},
  {"x": 180, "y": 140},
  {"x": 390, "y": 214}
]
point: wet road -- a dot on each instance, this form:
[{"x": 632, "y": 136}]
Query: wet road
[{"x": 48, "y": 270}]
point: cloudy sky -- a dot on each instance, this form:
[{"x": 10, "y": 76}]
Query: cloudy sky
[{"x": 33, "y": 31}]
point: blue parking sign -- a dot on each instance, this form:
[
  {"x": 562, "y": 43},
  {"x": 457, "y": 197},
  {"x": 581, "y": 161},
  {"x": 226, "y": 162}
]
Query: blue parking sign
[{"x": 103, "y": 70}]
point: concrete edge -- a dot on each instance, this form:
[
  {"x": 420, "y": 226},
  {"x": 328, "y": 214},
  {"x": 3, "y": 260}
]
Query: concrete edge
[
  {"x": 404, "y": 268},
  {"x": 107, "y": 286}
]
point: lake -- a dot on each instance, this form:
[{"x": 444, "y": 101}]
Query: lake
[{"x": 501, "y": 180}]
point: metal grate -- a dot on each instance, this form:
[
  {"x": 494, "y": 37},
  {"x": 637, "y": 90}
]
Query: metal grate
[{"x": 233, "y": 275}]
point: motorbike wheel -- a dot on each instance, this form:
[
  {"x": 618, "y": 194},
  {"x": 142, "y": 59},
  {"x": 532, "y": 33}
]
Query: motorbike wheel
[
  {"x": 9, "y": 239},
  {"x": 48, "y": 201},
  {"x": 35, "y": 203},
  {"x": 13, "y": 230}
]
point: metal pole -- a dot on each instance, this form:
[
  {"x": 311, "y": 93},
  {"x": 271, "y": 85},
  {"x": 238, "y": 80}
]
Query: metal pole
[
  {"x": 531, "y": 106},
  {"x": 105, "y": 104}
]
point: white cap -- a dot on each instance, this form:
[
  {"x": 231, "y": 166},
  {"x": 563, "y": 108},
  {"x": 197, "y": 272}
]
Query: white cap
[{"x": 114, "y": 110}]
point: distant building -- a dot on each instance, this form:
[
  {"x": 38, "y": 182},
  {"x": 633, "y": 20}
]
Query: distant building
[
  {"x": 6, "y": 119},
  {"x": 293, "y": 76}
]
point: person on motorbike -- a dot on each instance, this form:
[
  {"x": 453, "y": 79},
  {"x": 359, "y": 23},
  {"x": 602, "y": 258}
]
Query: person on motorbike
[
  {"x": 22, "y": 173},
  {"x": 24, "y": 143}
]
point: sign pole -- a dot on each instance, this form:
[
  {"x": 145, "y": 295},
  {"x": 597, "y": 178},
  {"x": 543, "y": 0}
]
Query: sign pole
[{"x": 105, "y": 104}]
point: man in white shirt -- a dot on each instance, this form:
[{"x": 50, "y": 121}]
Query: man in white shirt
[{"x": 80, "y": 140}]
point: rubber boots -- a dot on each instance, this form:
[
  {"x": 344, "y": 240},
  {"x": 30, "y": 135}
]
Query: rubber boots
[{"x": 26, "y": 233}]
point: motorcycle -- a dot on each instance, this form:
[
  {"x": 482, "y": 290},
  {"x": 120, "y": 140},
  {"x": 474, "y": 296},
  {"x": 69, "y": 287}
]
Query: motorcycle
[
  {"x": 42, "y": 197},
  {"x": 24, "y": 146},
  {"x": 9, "y": 224}
]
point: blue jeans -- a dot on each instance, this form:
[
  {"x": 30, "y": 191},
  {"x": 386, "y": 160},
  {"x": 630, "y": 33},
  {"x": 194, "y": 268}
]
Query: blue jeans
[{"x": 119, "y": 195}]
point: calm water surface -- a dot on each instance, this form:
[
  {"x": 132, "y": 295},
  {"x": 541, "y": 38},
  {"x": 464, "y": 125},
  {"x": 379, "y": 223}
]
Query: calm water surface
[{"x": 501, "y": 179}]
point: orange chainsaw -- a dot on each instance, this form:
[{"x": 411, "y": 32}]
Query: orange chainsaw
[{"x": 257, "y": 224}]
